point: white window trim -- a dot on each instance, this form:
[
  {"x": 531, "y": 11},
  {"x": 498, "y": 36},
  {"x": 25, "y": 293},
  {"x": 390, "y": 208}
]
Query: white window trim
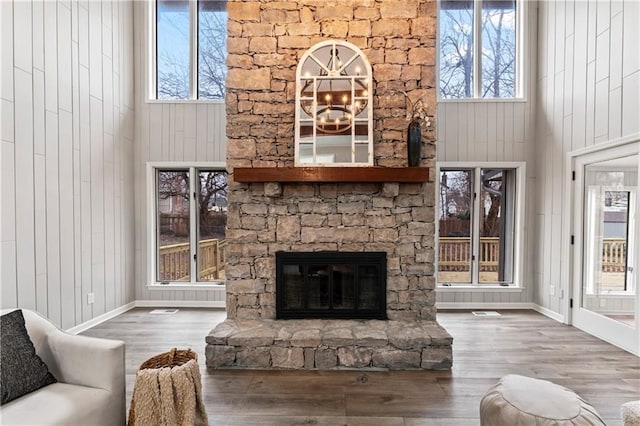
[
  {"x": 522, "y": 42},
  {"x": 151, "y": 63},
  {"x": 152, "y": 282},
  {"x": 151, "y": 94},
  {"x": 518, "y": 283}
]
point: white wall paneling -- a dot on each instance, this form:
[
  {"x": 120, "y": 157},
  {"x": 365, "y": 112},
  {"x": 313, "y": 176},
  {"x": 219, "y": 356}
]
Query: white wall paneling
[
  {"x": 482, "y": 131},
  {"x": 587, "y": 95},
  {"x": 168, "y": 131},
  {"x": 24, "y": 188},
  {"x": 74, "y": 214},
  {"x": 67, "y": 140},
  {"x": 583, "y": 91}
]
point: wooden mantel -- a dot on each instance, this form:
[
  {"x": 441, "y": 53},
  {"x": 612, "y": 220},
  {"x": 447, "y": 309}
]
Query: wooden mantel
[{"x": 331, "y": 174}]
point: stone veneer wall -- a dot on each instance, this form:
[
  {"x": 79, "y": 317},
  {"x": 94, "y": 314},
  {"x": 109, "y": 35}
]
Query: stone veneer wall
[{"x": 266, "y": 39}]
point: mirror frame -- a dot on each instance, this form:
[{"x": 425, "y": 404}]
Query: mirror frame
[{"x": 355, "y": 54}]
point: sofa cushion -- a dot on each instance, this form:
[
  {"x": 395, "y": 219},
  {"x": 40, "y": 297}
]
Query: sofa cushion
[
  {"x": 21, "y": 369},
  {"x": 62, "y": 404}
]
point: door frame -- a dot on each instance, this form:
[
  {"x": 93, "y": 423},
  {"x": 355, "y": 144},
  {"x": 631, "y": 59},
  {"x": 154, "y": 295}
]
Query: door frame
[{"x": 573, "y": 234}]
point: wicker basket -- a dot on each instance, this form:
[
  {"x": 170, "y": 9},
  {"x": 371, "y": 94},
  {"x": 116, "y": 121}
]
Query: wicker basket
[{"x": 173, "y": 358}]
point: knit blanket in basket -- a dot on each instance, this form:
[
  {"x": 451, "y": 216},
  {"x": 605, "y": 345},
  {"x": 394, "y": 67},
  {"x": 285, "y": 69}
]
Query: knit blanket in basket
[{"x": 169, "y": 397}]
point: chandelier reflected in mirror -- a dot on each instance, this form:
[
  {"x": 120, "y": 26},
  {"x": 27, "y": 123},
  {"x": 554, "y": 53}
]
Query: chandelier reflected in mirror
[
  {"x": 333, "y": 113},
  {"x": 334, "y": 97}
]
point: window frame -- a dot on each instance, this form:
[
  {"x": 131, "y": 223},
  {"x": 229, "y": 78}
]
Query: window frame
[
  {"x": 521, "y": 42},
  {"x": 152, "y": 236},
  {"x": 518, "y": 218},
  {"x": 152, "y": 62}
]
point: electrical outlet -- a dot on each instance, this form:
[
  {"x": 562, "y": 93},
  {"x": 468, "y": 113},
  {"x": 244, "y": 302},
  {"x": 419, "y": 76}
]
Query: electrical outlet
[
  {"x": 552, "y": 290},
  {"x": 90, "y": 298}
]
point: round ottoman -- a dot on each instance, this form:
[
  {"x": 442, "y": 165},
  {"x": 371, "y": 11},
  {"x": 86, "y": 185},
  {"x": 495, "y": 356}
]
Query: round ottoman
[
  {"x": 518, "y": 401},
  {"x": 630, "y": 413}
]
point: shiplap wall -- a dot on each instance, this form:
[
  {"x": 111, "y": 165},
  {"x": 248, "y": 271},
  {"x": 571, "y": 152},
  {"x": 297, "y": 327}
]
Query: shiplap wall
[
  {"x": 481, "y": 131},
  {"x": 66, "y": 157},
  {"x": 168, "y": 132},
  {"x": 588, "y": 93}
]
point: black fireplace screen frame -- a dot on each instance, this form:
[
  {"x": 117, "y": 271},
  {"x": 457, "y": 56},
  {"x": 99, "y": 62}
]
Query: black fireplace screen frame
[{"x": 331, "y": 262}]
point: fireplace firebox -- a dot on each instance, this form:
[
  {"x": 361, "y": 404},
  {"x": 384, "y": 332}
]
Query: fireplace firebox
[{"x": 328, "y": 284}]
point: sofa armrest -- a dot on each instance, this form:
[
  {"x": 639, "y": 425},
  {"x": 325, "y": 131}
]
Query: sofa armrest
[{"x": 87, "y": 361}]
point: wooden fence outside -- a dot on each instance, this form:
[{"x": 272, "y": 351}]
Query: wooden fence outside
[
  {"x": 455, "y": 254},
  {"x": 174, "y": 261}
]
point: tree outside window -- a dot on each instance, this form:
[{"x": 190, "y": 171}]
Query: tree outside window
[
  {"x": 180, "y": 51},
  {"x": 179, "y": 226},
  {"x": 492, "y": 57},
  {"x": 476, "y": 225}
]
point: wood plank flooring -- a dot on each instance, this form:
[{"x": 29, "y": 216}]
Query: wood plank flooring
[{"x": 485, "y": 349}]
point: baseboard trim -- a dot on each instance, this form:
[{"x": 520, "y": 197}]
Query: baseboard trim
[
  {"x": 180, "y": 304},
  {"x": 101, "y": 318},
  {"x": 471, "y": 305},
  {"x": 548, "y": 313},
  {"x": 497, "y": 306},
  {"x": 144, "y": 304},
  {"x": 221, "y": 304}
]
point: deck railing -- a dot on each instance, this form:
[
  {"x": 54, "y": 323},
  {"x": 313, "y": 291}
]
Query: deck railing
[
  {"x": 455, "y": 254},
  {"x": 614, "y": 254},
  {"x": 174, "y": 261}
]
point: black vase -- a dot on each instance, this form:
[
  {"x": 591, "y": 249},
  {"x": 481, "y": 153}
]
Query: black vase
[{"x": 414, "y": 140}]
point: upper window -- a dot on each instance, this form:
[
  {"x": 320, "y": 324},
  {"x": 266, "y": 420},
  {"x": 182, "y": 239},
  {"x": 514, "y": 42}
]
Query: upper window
[
  {"x": 477, "y": 225},
  {"x": 478, "y": 49},
  {"x": 190, "y": 218},
  {"x": 190, "y": 49}
]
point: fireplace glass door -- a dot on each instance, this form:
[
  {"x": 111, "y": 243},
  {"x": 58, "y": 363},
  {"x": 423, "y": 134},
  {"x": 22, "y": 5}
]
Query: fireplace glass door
[{"x": 331, "y": 285}]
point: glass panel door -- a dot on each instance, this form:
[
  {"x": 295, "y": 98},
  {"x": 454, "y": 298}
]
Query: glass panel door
[
  {"x": 173, "y": 226},
  {"x": 608, "y": 282},
  {"x": 455, "y": 245},
  {"x": 496, "y": 226},
  {"x": 605, "y": 292},
  {"x": 212, "y": 221}
]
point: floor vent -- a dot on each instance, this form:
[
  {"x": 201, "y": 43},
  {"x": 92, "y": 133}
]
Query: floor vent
[
  {"x": 486, "y": 313},
  {"x": 164, "y": 311}
]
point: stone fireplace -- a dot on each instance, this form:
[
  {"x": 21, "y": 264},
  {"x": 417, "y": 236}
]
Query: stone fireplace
[{"x": 392, "y": 216}]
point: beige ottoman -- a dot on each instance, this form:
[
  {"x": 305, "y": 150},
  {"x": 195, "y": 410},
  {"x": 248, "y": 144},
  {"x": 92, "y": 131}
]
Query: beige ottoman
[
  {"x": 630, "y": 413},
  {"x": 520, "y": 401}
]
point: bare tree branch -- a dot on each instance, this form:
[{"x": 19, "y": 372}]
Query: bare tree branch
[{"x": 497, "y": 51}]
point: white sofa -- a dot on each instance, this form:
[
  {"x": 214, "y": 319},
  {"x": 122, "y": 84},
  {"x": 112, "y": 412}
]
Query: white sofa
[{"x": 90, "y": 374}]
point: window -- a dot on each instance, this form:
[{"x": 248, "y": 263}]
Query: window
[
  {"x": 190, "y": 49},
  {"x": 608, "y": 233},
  {"x": 189, "y": 240},
  {"x": 478, "y": 217},
  {"x": 478, "y": 49}
]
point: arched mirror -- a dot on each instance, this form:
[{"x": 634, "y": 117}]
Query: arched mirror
[{"x": 334, "y": 107}]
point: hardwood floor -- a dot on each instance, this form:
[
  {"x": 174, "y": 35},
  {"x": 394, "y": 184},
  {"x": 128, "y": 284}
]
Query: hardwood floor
[{"x": 485, "y": 349}]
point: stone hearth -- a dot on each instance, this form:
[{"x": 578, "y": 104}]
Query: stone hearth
[
  {"x": 329, "y": 344},
  {"x": 266, "y": 39}
]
